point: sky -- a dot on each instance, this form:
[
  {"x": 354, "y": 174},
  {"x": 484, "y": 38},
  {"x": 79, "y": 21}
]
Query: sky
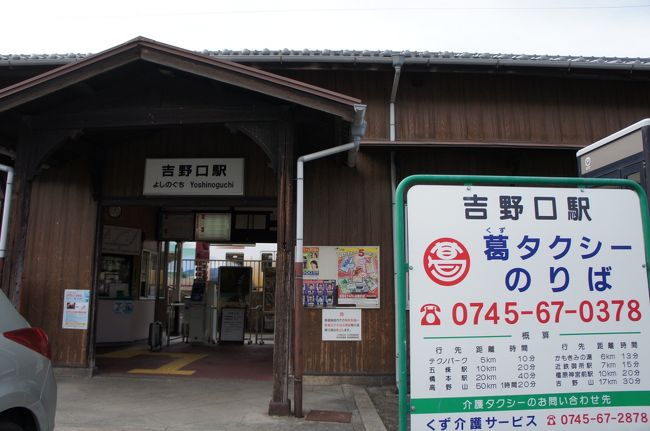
[{"x": 615, "y": 28}]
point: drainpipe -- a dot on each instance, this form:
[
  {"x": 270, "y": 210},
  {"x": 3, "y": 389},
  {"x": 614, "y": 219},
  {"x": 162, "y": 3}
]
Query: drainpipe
[
  {"x": 398, "y": 61},
  {"x": 6, "y": 209},
  {"x": 357, "y": 131}
]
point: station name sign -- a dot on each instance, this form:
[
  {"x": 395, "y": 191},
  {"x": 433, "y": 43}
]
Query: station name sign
[{"x": 194, "y": 177}]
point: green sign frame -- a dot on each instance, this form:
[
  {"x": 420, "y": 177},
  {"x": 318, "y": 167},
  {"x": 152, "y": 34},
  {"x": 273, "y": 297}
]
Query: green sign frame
[{"x": 470, "y": 180}]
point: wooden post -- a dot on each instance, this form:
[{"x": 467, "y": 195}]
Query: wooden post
[
  {"x": 280, "y": 404},
  {"x": 13, "y": 269}
]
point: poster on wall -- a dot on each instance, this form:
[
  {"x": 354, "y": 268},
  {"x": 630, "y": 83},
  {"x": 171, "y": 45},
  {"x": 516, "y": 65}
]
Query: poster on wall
[
  {"x": 75, "y": 308},
  {"x": 319, "y": 293},
  {"x": 358, "y": 276},
  {"x": 310, "y": 261},
  {"x": 341, "y": 276}
]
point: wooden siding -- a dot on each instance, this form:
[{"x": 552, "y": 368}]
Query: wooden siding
[
  {"x": 491, "y": 108},
  {"x": 352, "y": 206},
  {"x": 372, "y": 87},
  {"x": 59, "y": 255},
  {"x": 126, "y": 154},
  {"x": 486, "y": 161}
]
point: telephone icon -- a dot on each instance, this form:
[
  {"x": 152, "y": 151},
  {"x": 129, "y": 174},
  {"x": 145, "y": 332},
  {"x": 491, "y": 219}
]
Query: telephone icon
[{"x": 430, "y": 316}]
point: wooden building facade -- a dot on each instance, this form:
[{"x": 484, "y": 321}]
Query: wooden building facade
[{"x": 77, "y": 136}]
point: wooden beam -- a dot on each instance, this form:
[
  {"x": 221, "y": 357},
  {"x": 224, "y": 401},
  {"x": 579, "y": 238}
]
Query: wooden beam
[
  {"x": 280, "y": 89},
  {"x": 60, "y": 78},
  {"x": 280, "y": 404},
  {"x": 149, "y": 116}
]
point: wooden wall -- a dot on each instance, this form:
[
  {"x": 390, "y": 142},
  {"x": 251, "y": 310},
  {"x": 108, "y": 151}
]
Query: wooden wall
[
  {"x": 491, "y": 107},
  {"x": 59, "y": 255},
  {"x": 352, "y": 206}
]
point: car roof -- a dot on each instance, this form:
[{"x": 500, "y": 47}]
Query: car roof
[{"x": 10, "y": 319}]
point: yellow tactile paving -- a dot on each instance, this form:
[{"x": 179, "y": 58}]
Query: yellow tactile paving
[{"x": 172, "y": 368}]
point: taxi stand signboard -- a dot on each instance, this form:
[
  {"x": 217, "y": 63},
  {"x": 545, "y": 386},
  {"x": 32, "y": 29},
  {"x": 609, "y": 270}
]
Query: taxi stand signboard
[{"x": 529, "y": 305}]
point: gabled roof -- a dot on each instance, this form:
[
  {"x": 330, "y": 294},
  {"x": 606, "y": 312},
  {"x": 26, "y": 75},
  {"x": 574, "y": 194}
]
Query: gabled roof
[
  {"x": 191, "y": 62},
  {"x": 427, "y": 58}
]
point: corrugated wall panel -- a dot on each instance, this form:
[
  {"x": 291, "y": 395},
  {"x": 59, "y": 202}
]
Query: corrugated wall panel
[{"x": 59, "y": 255}]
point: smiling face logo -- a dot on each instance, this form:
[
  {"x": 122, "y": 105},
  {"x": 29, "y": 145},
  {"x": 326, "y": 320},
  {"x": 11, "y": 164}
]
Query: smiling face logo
[{"x": 446, "y": 261}]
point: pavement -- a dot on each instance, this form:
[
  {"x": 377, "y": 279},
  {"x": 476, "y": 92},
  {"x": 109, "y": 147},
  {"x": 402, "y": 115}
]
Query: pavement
[{"x": 146, "y": 403}]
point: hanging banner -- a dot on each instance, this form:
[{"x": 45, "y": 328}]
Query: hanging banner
[
  {"x": 76, "y": 304},
  {"x": 529, "y": 309},
  {"x": 194, "y": 177}
]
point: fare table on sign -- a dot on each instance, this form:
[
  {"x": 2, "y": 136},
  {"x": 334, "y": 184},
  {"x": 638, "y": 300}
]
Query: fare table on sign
[{"x": 529, "y": 309}]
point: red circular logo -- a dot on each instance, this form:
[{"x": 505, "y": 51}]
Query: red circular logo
[{"x": 446, "y": 261}]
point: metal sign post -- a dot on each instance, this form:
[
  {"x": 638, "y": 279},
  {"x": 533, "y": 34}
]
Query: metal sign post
[{"x": 528, "y": 303}]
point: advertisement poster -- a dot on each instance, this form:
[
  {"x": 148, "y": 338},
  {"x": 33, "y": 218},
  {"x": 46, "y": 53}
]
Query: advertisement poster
[
  {"x": 319, "y": 293},
  {"x": 341, "y": 324},
  {"x": 310, "y": 261},
  {"x": 76, "y": 304},
  {"x": 358, "y": 276},
  {"x": 529, "y": 309}
]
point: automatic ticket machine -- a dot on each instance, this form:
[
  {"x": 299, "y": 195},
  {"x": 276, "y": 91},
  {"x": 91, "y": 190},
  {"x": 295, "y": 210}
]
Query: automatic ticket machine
[
  {"x": 623, "y": 154},
  {"x": 201, "y": 312}
]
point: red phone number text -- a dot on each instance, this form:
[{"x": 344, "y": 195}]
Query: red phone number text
[
  {"x": 598, "y": 418},
  {"x": 546, "y": 312}
]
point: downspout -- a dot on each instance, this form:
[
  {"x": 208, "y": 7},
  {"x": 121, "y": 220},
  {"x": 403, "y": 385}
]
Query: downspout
[
  {"x": 398, "y": 61},
  {"x": 357, "y": 131},
  {"x": 6, "y": 208}
]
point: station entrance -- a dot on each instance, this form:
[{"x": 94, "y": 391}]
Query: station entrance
[{"x": 188, "y": 309}]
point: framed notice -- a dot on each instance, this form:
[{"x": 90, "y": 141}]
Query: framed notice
[{"x": 529, "y": 308}]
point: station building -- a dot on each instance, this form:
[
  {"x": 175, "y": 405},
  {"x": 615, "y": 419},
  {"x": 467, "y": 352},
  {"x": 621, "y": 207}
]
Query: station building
[{"x": 86, "y": 135}]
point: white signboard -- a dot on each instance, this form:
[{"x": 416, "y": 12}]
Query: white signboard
[
  {"x": 529, "y": 309},
  {"x": 194, "y": 177},
  {"x": 341, "y": 324},
  {"x": 76, "y": 304},
  {"x": 232, "y": 324}
]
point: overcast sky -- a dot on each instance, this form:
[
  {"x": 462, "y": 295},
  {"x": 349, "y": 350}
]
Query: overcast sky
[{"x": 569, "y": 27}]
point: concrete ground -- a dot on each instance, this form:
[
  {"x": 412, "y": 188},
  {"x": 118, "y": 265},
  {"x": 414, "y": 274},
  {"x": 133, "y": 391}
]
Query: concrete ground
[{"x": 146, "y": 403}]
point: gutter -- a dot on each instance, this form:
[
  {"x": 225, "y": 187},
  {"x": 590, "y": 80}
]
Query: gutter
[
  {"x": 357, "y": 131},
  {"x": 387, "y": 59}
]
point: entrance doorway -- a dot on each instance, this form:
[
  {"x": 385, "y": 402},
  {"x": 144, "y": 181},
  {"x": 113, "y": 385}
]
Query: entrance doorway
[{"x": 183, "y": 308}]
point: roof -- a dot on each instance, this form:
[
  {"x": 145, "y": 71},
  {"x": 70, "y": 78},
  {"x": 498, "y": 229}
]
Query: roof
[
  {"x": 210, "y": 67},
  {"x": 375, "y": 57}
]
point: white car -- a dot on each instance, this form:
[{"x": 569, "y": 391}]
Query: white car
[{"x": 27, "y": 386}]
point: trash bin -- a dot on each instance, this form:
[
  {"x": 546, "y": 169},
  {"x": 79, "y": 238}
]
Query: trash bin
[{"x": 155, "y": 336}]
